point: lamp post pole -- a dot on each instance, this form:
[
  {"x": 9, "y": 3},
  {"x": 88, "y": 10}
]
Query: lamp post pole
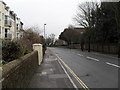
[{"x": 44, "y": 31}]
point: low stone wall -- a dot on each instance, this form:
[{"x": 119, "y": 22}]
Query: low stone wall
[{"x": 18, "y": 73}]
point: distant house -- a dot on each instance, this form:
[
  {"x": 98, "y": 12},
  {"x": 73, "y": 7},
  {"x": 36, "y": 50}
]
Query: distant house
[
  {"x": 10, "y": 25},
  {"x": 60, "y": 43}
]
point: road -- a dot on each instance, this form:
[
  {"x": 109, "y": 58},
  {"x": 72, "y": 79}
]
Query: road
[{"x": 94, "y": 69}]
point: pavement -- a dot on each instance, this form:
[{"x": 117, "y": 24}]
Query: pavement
[{"x": 50, "y": 74}]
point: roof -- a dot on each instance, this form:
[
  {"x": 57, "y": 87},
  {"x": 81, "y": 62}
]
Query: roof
[{"x": 3, "y": 2}]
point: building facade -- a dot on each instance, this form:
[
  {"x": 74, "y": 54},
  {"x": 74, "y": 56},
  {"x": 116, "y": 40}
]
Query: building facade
[{"x": 11, "y": 26}]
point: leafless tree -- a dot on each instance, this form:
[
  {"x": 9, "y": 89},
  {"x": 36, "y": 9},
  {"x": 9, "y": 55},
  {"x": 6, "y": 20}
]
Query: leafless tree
[
  {"x": 31, "y": 36},
  {"x": 85, "y": 17},
  {"x": 50, "y": 39}
]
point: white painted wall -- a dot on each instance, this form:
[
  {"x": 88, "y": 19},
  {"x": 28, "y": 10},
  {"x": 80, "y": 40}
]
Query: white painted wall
[{"x": 38, "y": 47}]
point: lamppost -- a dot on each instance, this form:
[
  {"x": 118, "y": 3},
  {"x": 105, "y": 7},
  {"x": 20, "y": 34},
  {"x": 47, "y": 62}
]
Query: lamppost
[{"x": 44, "y": 31}]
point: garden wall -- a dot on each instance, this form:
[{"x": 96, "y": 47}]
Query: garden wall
[{"x": 18, "y": 73}]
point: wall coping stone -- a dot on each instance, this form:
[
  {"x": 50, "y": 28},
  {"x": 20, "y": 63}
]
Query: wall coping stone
[{"x": 14, "y": 64}]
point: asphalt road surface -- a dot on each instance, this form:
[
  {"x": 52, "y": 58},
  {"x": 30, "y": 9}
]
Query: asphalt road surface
[{"x": 94, "y": 69}]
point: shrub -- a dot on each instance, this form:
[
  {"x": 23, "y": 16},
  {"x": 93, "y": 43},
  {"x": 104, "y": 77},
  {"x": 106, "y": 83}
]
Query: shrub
[
  {"x": 30, "y": 37},
  {"x": 27, "y": 51},
  {"x": 11, "y": 50},
  {"x": 2, "y": 62}
]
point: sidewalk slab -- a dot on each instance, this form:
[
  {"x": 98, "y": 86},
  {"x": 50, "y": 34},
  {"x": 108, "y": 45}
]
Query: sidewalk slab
[{"x": 50, "y": 74}]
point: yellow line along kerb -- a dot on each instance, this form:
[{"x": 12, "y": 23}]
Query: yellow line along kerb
[{"x": 74, "y": 75}]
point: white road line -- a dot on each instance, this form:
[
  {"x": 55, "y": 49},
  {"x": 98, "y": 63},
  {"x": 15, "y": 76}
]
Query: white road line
[
  {"x": 113, "y": 64},
  {"x": 74, "y": 85},
  {"x": 106, "y": 55},
  {"x": 79, "y": 54},
  {"x": 74, "y": 75},
  {"x": 92, "y": 58}
]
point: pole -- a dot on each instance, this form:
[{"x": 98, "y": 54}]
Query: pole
[{"x": 44, "y": 30}]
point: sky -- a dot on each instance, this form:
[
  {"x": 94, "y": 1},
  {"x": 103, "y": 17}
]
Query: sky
[{"x": 57, "y": 14}]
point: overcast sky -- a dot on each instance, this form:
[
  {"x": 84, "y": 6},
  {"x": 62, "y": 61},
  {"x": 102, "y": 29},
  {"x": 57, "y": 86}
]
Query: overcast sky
[{"x": 57, "y": 14}]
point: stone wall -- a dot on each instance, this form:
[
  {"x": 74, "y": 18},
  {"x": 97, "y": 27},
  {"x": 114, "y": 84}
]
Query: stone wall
[{"x": 18, "y": 73}]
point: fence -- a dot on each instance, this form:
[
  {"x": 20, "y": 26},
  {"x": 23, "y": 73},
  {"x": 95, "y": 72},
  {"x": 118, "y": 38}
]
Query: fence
[{"x": 106, "y": 48}]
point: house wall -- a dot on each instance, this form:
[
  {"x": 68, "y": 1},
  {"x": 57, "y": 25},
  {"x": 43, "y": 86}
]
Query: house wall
[{"x": 2, "y": 10}]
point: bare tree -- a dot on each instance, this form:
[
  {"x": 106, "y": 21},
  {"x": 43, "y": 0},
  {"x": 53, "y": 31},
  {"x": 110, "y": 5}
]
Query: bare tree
[
  {"x": 30, "y": 37},
  {"x": 86, "y": 19},
  {"x": 50, "y": 39}
]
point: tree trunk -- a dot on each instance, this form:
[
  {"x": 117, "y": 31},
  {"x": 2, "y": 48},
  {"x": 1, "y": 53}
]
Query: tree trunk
[
  {"x": 102, "y": 48},
  {"x": 119, "y": 49},
  {"x": 89, "y": 45},
  {"x": 97, "y": 47},
  {"x": 82, "y": 44},
  {"x": 109, "y": 51}
]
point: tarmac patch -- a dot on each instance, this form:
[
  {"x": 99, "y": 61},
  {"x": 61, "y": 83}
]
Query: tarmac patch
[
  {"x": 54, "y": 76},
  {"x": 44, "y": 73}
]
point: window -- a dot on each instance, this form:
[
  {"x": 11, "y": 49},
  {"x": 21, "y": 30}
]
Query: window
[
  {"x": 2, "y": 15},
  {"x": 6, "y": 17},
  {"x": 17, "y": 35},
  {"x": 6, "y": 33},
  {"x": 0, "y": 29},
  {"x": 17, "y": 27},
  {"x": 21, "y": 36}
]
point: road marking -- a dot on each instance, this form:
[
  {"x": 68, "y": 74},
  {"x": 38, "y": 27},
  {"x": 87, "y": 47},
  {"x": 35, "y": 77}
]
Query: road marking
[
  {"x": 113, "y": 64},
  {"x": 74, "y": 85},
  {"x": 79, "y": 54},
  {"x": 107, "y": 56},
  {"x": 74, "y": 75},
  {"x": 92, "y": 58}
]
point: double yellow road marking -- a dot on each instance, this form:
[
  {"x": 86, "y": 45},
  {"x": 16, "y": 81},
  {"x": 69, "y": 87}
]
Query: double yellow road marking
[{"x": 74, "y": 75}]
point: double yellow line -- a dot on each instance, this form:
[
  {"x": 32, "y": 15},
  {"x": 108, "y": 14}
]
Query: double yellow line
[{"x": 74, "y": 75}]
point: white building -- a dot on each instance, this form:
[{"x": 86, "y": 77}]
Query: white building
[{"x": 10, "y": 25}]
